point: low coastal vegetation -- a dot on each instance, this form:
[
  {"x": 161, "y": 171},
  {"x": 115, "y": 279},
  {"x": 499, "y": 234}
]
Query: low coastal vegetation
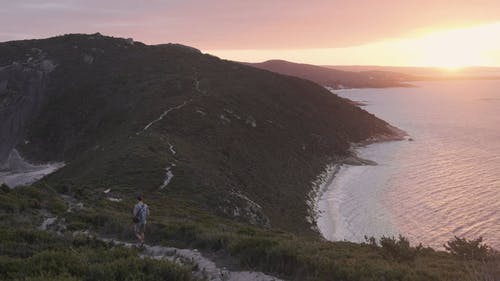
[
  {"x": 28, "y": 254},
  {"x": 290, "y": 256},
  {"x": 473, "y": 249}
]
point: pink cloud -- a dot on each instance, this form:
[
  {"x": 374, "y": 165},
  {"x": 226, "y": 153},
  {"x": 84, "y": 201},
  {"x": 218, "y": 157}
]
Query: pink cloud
[{"x": 229, "y": 24}]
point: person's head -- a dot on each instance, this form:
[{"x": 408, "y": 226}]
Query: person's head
[{"x": 139, "y": 197}]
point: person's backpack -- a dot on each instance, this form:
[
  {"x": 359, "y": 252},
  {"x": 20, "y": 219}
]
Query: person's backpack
[{"x": 141, "y": 214}]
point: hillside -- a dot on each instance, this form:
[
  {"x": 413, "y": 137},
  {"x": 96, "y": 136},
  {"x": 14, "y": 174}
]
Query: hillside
[
  {"x": 233, "y": 131},
  {"x": 335, "y": 78},
  {"x": 225, "y": 155}
]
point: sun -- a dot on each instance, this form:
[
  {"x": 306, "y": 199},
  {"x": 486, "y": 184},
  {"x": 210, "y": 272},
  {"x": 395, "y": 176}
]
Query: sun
[
  {"x": 452, "y": 68},
  {"x": 458, "y": 48}
]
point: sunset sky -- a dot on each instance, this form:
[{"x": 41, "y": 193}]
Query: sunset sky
[{"x": 356, "y": 32}]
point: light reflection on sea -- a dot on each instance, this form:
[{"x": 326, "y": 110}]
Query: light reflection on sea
[{"x": 444, "y": 183}]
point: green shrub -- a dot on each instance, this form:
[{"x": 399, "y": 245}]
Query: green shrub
[
  {"x": 398, "y": 249},
  {"x": 56, "y": 206},
  {"x": 468, "y": 249},
  {"x": 47, "y": 257},
  {"x": 55, "y": 263},
  {"x": 102, "y": 220},
  {"x": 4, "y": 188},
  {"x": 485, "y": 270}
]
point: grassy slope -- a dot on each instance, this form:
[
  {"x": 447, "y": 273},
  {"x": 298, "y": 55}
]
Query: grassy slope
[
  {"x": 291, "y": 256},
  {"x": 30, "y": 254}
]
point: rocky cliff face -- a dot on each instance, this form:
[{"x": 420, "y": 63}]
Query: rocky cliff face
[
  {"x": 22, "y": 91},
  {"x": 222, "y": 138}
]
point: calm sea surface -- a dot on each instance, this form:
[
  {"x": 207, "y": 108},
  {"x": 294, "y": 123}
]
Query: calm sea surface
[{"x": 444, "y": 183}]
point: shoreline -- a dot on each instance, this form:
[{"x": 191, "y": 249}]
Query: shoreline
[
  {"x": 321, "y": 220},
  {"x": 319, "y": 188}
]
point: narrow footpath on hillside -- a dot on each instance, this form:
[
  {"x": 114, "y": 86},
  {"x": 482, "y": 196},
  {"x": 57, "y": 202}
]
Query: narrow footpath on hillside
[{"x": 203, "y": 267}]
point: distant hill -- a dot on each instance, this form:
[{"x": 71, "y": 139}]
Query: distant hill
[
  {"x": 414, "y": 73},
  {"x": 335, "y": 78}
]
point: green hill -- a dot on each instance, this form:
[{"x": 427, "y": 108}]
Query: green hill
[
  {"x": 237, "y": 132},
  {"x": 338, "y": 78}
]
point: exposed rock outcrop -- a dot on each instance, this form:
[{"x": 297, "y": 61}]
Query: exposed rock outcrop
[{"x": 22, "y": 90}]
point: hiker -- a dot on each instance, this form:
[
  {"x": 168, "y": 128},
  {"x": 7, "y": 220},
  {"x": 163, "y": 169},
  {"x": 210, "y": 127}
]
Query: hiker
[{"x": 141, "y": 211}]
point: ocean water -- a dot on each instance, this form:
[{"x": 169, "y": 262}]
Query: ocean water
[{"x": 445, "y": 183}]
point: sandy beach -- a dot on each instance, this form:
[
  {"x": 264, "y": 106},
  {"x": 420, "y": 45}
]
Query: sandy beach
[{"x": 332, "y": 193}]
